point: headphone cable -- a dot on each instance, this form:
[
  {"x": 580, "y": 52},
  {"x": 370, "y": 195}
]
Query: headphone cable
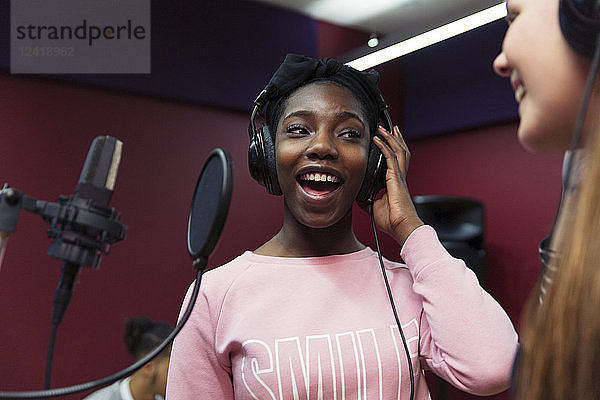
[{"x": 392, "y": 303}]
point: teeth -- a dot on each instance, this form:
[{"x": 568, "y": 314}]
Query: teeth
[
  {"x": 319, "y": 177},
  {"x": 520, "y": 93}
]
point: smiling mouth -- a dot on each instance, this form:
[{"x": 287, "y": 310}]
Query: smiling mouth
[{"x": 319, "y": 183}]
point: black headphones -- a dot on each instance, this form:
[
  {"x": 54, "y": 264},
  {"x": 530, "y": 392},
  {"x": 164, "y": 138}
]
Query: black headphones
[
  {"x": 580, "y": 24},
  {"x": 262, "y": 164}
]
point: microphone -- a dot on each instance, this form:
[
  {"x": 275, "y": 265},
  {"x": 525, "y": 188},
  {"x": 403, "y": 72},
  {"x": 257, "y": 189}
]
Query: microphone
[
  {"x": 97, "y": 180},
  {"x": 83, "y": 227},
  {"x": 80, "y": 237},
  {"x": 85, "y": 223}
]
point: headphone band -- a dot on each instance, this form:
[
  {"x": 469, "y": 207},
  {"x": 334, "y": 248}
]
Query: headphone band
[{"x": 580, "y": 24}]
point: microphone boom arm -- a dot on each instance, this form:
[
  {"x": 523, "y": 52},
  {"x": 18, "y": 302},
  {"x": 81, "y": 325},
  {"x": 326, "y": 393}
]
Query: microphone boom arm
[{"x": 92, "y": 229}]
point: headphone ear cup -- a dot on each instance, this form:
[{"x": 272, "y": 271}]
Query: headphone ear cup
[
  {"x": 253, "y": 160},
  {"x": 580, "y": 24},
  {"x": 261, "y": 160},
  {"x": 374, "y": 179},
  {"x": 270, "y": 163}
]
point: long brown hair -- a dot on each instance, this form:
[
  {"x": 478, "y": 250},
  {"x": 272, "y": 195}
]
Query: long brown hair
[{"x": 560, "y": 342}]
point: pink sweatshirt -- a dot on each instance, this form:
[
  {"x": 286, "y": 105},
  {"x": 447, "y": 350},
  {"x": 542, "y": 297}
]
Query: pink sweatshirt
[{"x": 322, "y": 328}]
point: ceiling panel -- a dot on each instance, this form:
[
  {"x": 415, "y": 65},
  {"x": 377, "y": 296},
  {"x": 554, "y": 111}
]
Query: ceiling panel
[{"x": 392, "y": 19}]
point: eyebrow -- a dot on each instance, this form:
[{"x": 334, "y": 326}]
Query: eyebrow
[{"x": 341, "y": 116}]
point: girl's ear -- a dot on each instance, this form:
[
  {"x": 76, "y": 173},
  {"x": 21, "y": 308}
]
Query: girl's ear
[{"x": 148, "y": 368}]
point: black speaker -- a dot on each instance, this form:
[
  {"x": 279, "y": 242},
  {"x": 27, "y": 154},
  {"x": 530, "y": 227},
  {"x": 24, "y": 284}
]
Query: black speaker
[
  {"x": 580, "y": 24},
  {"x": 460, "y": 225}
]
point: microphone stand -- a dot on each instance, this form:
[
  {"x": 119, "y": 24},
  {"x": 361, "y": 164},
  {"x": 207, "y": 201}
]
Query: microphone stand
[
  {"x": 3, "y": 241},
  {"x": 9, "y": 214},
  {"x": 80, "y": 230},
  {"x": 109, "y": 231},
  {"x": 199, "y": 264},
  {"x": 62, "y": 297}
]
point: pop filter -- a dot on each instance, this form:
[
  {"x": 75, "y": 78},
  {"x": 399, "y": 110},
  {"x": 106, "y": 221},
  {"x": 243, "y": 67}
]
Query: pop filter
[{"x": 210, "y": 205}]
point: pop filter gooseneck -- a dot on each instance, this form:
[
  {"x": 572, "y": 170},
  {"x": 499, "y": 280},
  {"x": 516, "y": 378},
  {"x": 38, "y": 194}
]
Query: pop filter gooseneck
[{"x": 208, "y": 213}]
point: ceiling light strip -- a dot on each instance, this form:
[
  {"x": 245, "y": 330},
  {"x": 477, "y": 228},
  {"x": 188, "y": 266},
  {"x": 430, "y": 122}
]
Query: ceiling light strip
[{"x": 431, "y": 37}]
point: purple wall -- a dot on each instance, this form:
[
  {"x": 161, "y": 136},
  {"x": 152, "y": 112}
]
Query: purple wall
[
  {"x": 451, "y": 86},
  {"x": 221, "y": 53},
  {"x": 218, "y": 53}
]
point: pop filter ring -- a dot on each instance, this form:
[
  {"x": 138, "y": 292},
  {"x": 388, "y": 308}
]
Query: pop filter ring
[{"x": 210, "y": 223}]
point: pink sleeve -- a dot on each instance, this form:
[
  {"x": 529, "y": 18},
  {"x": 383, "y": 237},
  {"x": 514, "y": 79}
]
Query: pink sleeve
[
  {"x": 195, "y": 371},
  {"x": 467, "y": 338}
]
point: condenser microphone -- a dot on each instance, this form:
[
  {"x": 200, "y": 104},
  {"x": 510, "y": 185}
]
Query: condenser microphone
[
  {"x": 89, "y": 226},
  {"x": 81, "y": 226},
  {"x": 97, "y": 180},
  {"x": 84, "y": 227}
]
